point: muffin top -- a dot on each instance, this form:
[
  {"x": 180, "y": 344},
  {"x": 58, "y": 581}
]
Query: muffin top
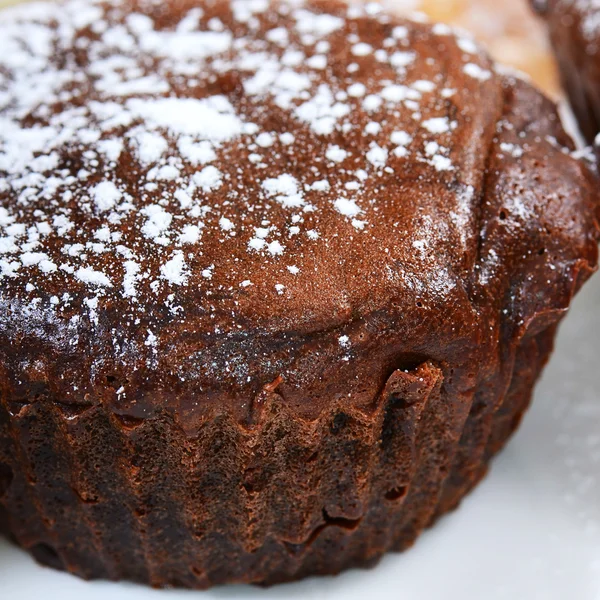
[
  {"x": 195, "y": 186},
  {"x": 246, "y": 158}
]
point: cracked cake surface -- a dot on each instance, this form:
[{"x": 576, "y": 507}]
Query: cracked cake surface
[{"x": 304, "y": 259}]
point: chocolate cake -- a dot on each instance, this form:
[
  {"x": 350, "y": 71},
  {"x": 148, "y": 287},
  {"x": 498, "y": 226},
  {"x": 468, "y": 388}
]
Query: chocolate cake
[
  {"x": 276, "y": 281},
  {"x": 574, "y": 27}
]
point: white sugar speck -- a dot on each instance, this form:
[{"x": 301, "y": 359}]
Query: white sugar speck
[
  {"x": 437, "y": 125},
  {"x": 400, "y": 32},
  {"x": 372, "y": 128},
  {"x": 158, "y": 222},
  {"x": 336, "y": 154},
  {"x": 150, "y": 146},
  {"x": 441, "y": 163},
  {"x": 47, "y": 267},
  {"x": 212, "y": 118},
  {"x": 106, "y": 195},
  {"x": 321, "y": 186},
  {"x": 209, "y": 178},
  {"x": 89, "y": 276},
  {"x": 190, "y": 234},
  {"x": 174, "y": 271},
  {"x": 401, "y": 59},
  {"x": 225, "y": 224},
  {"x": 275, "y": 248},
  {"x": 265, "y": 140},
  {"x": 372, "y": 103},
  {"x": 344, "y": 341},
  {"x": 357, "y": 90},
  {"x": 424, "y": 86},
  {"x": 129, "y": 281},
  {"x": 346, "y": 207},
  {"x": 442, "y": 29},
  {"x": 467, "y": 45},
  {"x": 256, "y": 244},
  {"x": 400, "y": 138},
  {"x": 475, "y": 71},
  {"x": 287, "y": 139},
  {"x": 317, "y": 24},
  {"x": 362, "y": 49},
  {"x": 318, "y": 61},
  {"x": 377, "y": 156},
  {"x": 285, "y": 189}
]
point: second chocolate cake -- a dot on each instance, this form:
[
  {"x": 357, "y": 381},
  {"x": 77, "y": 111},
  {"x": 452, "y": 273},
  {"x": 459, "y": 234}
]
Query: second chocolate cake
[
  {"x": 574, "y": 27},
  {"x": 276, "y": 281}
]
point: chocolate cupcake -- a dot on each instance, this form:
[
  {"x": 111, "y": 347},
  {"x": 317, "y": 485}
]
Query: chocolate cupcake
[
  {"x": 276, "y": 281},
  {"x": 574, "y": 27}
]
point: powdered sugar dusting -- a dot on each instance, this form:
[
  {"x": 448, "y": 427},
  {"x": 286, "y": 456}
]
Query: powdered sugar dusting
[{"x": 214, "y": 155}]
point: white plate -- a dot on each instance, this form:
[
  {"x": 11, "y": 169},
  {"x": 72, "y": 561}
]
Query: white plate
[{"x": 531, "y": 531}]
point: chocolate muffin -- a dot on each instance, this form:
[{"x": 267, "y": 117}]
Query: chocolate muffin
[
  {"x": 574, "y": 27},
  {"x": 276, "y": 281}
]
